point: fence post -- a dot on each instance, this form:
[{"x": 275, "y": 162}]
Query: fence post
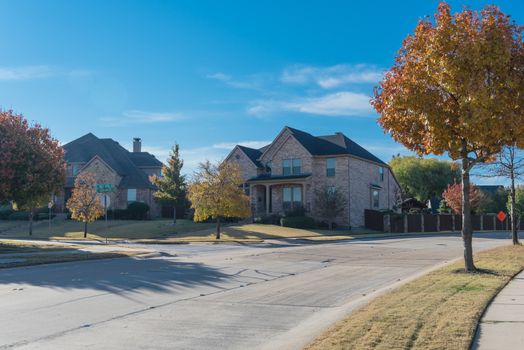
[
  {"x": 387, "y": 223},
  {"x": 406, "y": 223},
  {"x": 438, "y": 222},
  {"x": 422, "y": 222},
  {"x": 494, "y": 223},
  {"x": 452, "y": 222},
  {"x": 482, "y": 222}
]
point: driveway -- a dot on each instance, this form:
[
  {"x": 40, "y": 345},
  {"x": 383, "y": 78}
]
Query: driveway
[{"x": 274, "y": 296}]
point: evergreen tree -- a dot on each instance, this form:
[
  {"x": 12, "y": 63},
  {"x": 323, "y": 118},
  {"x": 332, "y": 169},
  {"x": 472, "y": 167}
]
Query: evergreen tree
[{"x": 171, "y": 186}]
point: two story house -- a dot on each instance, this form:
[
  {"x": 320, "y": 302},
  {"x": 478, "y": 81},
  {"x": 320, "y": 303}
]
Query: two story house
[
  {"x": 285, "y": 174},
  {"x": 126, "y": 173}
]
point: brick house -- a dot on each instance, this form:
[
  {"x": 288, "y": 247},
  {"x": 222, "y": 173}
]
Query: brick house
[
  {"x": 286, "y": 173},
  {"x": 110, "y": 163}
]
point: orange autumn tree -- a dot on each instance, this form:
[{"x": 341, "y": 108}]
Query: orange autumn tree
[
  {"x": 85, "y": 204},
  {"x": 453, "y": 197},
  {"x": 457, "y": 88},
  {"x": 216, "y": 192}
]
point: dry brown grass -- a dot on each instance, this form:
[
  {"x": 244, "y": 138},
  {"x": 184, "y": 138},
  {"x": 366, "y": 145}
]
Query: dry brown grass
[
  {"x": 437, "y": 311},
  {"x": 39, "y": 259},
  {"x": 20, "y": 253}
]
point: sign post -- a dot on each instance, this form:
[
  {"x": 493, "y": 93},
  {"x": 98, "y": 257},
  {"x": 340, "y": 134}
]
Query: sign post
[
  {"x": 49, "y": 206},
  {"x": 104, "y": 189}
]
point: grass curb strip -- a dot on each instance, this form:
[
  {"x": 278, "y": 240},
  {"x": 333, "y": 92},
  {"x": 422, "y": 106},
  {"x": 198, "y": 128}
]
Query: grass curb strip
[{"x": 439, "y": 310}]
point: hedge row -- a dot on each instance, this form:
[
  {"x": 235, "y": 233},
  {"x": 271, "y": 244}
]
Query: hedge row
[
  {"x": 134, "y": 211},
  {"x": 24, "y": 215},
  {"x": 298, "y": 222}
]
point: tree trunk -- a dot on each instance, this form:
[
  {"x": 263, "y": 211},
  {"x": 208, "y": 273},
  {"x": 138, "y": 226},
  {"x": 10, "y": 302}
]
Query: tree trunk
[
  {"x": 218, "y": 228},
  {"x": 31, "y": 214},
  {"x": 174, "y": 214},
  {"x": 467, "y": 231},
  {"x": 85, "y": 229},
  {"x": 514, "y": 232}
]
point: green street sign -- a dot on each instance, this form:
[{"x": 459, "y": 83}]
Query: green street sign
[{"x": 103, "y": 188}]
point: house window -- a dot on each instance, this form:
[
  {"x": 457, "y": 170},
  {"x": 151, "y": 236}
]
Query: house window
[
  {"x": 73, "y": 169},
  {"x": 291, "y": 167},
  {"x": 330, "y": 167},
  {"x": 375, "y": 198},
  {"x": 297, "y": 165},
  {"x": 381, "y": 173},
  {"x": 131, "y": 195},
  {"x": 286, "y": 167},
  {"x": 331, "y": 189},
  {"x": 291, "y": 197}
]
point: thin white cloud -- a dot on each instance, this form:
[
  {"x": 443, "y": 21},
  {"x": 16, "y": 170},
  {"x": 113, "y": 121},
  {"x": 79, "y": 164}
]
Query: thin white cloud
[
  {"x": 161, "y": 153},
  {"x": 333, "y": 76},
  {"x": 252, "y": 83},
  {"x": 142, "y": 117},
  {"x": 194, "y": 156},
  {"x": 34, "y": 72},
  {"x": 250, "y": 144},
  {"x": 343, "y": 103},
  {"x": 26, "y": 73}
]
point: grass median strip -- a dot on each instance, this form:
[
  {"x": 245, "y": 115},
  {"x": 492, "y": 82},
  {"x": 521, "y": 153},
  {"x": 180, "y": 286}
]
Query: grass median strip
[
  {"x": 437, "y": 311},
  {"x": 15, "y": 254}
]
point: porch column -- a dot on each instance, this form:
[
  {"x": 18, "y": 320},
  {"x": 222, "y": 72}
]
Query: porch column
[
  {"x": 304, "y": 202},
  {"x": 267, "y": 198}
]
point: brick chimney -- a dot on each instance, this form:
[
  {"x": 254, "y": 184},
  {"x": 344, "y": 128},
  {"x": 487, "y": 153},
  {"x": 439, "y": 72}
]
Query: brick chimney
[{"x": 137, "y": 145}]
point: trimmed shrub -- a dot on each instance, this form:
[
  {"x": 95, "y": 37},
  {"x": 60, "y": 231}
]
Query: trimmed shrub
[
  {"x": 325, "y": 225},
  {"x": 298, "y": 211},
  {"x": 5, "y": 213},
  {"x": 43, "y": 216},
  {"x": 20, "y": 215},
  {"x": 298, "y": 222},
  {"x": 138, "y": 211},
  {"x": 273, "y": 219},
  {"x": 118, "y": 214}
]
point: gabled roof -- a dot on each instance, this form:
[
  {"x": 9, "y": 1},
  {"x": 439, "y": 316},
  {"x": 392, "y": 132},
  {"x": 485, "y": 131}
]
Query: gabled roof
[
  {"x": 491, "y": 189},
  {"x": 83, "y": 149},
  {"x": 253, "y": 154},
  {"x": 337, "y": 144}
]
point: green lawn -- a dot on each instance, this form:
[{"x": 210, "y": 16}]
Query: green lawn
[
  {"x": 116, "y": 229},
  {"x": 163, "y": 231}
]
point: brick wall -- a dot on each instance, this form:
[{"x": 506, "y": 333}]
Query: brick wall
[{"x": 248, "y": 169}]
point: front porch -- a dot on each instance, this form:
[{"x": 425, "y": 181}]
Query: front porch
[{"x": 279, "y": 194}]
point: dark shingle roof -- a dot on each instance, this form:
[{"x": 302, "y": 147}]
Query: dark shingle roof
[
  {"x": 253, "y": 154},
  {"x": 83, "y": 149},
  {"x": 336, "y": 144},
  {"x": 144, "y": 159},
  {"x": 491, "y": 189}
]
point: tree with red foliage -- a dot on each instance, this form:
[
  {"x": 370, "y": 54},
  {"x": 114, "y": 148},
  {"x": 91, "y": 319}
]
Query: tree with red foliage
[
  {"x": 32, "y": 163},
  {"x": 453, "y": 197}
]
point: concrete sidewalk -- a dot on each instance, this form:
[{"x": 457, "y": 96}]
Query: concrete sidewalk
[{"x": 502, "y": 326}]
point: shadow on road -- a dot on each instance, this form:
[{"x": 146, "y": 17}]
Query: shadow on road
[{"x": 117, "y": 275}]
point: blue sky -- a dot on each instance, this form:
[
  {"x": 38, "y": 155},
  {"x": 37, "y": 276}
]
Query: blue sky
[{"x": 206, "y": 74}]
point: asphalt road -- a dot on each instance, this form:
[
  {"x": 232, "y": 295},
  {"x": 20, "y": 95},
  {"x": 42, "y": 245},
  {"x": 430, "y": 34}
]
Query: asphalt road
[{"x": 273, "y": 296}]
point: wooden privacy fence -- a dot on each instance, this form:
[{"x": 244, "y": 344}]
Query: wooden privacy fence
[{"x": 386, "y": 222}]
